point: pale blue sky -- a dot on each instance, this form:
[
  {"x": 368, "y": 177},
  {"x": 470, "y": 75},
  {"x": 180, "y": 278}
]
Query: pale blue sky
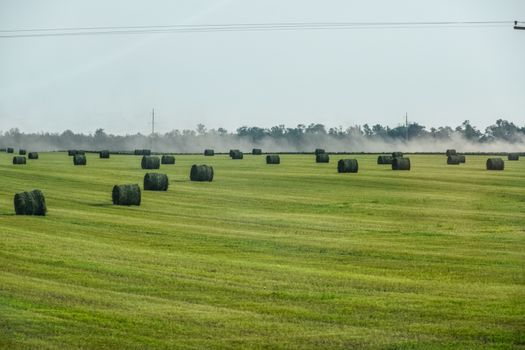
[{"x": 440, "y": 76}]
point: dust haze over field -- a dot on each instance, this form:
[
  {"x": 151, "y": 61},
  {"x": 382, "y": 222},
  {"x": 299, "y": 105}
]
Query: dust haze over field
[{"x": 190, "y": 143}]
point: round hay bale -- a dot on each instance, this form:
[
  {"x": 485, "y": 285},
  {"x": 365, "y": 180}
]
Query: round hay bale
[
  {"x": 273, "y": 159},
  {"x": 19, "y": 160},
  {"x": 451, "y": 152},
  {"x": 32, "y": 155},
  {"x": 513, "y": 156},
  {"x": 126, "y": 194},
  {"x": 237, "y": 155},
  {"x": 150, "y": 162},
  {"x": 384, "y": 159},
  {"x": 30, "y": 203},
  {"x": 201, "y": 173},
  {"x": 71, "y": 152},
  {"x": 347, "y": 166},
  {"x": 104, "y": 154},
  {"x": 10, "y": 150},
  {"x": 397, "y": 154},
  {"x": 232, "y": 152},
  {"x": 453, "y": 160},
  {"x": 401, "y": 163},
  {"x": 319, "y": 151},
  {"x": 22, "y": 152},
  {"x": 167, "y": 159},
  {"x": 462, "y": 158},
  {"x": 495, "y": 164},
  {"x": 155, "y": 182},
  {"x": 146, "y": 152},
  {"x": 137, "y": 152},
  {"x": 322, "y": 158},
  {"x": 79, "y": 159},
  {"x": 256, "y": 151},
  {"x": 209, "y": 152}
]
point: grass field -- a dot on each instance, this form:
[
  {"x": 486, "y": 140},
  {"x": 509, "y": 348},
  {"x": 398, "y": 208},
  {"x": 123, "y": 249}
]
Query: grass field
[{"x": 265, "y": 256}]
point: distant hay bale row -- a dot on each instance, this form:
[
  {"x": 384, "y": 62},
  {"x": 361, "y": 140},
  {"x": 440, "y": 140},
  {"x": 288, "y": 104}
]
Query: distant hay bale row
[
  {"x": 384, "y": 159},
  {"x": 18, "y": 160},
  {"x": 273, "y": 159},
  {"x": 167, "y": 159},
  {"x": 495, "y": 164},
  {"x": 201, "y": 173},
  {"x": 319, "y": 151},
  {"x": 397, "y": 154},
  {"x": 33, "y": 155},
  {"x": 322, "y": 158},
  {"x": 451, "y": 152},
  {"x": 150, "y": 162},
  {"x": 104, "y": 154},
  {"x": 30, "y": 203},
  {"x": 156, "y": 182},
  {"x": 79, "y": 159},
  {"x": 236, "y": 154},
  {"x": 142, "y": 152},
  {"x": 10, "y": 150},
  {"x": 22, "y": 152},
  {"x": 126, "y": 194},
  {"x": 73, "y": 152},
  {"x": 209, "y": 152},
  {"x": 256, "y": 151},
  {"x": 347, "y": 166},
  {"x": 400, "y": 163},
  {"x": 513, "y": 156}
]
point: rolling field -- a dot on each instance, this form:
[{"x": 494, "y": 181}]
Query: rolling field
[{"x": 266, "y": 256}]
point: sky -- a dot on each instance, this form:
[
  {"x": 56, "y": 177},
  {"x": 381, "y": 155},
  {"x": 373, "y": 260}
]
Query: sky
[{"x": 439, "y": 76}]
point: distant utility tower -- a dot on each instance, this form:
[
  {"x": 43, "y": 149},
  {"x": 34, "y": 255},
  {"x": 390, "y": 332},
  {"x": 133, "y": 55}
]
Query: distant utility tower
[
  {"x": 517, "y": 27},
  {"x": 152, "y": 127},
  {"x": 406, "y": 126}
]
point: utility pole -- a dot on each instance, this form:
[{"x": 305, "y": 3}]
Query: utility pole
[
  {"x": 153, "y": 121},
  {"x": 406, "y": 126},
  {"x": 152, "y": 127}
]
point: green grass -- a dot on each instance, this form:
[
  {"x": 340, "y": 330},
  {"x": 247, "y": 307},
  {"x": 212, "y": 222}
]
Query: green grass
[{"x": 265, "y": 256}]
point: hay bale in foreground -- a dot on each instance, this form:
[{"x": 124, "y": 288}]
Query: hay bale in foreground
[
  {"x": 453, "y": 160},
  {"x": 19, "y": 160},
  {"x": 201, "y": 173},
  {"x": 32, "y": 155},
  {"x": 126, "y": 194},
  {"x": 156, "y": 182},
  {"x": 209, "y": 152},
  {"x": 319, "y": 151},
  {"x": 384, "y": 159},
  {"x": 495, "y": 164},
  {"x": 30, "y": 203},
  {"x": 273, "y": 159},
  {"x": 79, "y": 159},
  {"x": 347, "y": 166},
  {"x": 401, "y": 163},
  {"x": 10, "y": 150},
  {"x": 451, "y": 152},
  {"x": 104, "y": 154},
  {"x": 462, "y": 158},
  {"x": 397, "y": 154},
  {"x": 232, "y": 151},
  {"x": 167, "y": 159},
  {"x": 256, "y": 151},
  {"x": 236, "y": 154},
  {"x": 22, "y": 152},
  {"x": 150, "y": 162},
  {"x": 322, "y": 158},
  {"x": 513, "y": 156}
]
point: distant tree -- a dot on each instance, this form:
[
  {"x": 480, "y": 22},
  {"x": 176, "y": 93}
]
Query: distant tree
[
  {"x": 468, "y": 131},
  {"x": 502, "y": 130},
  {"x": 201, "y": 129}
]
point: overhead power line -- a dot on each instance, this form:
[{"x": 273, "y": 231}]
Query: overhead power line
[{"x": 242, "y": 27}]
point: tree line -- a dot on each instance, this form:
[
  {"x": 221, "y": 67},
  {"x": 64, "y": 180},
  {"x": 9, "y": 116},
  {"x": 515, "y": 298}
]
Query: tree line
[{"x": 301, "y": 135}]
